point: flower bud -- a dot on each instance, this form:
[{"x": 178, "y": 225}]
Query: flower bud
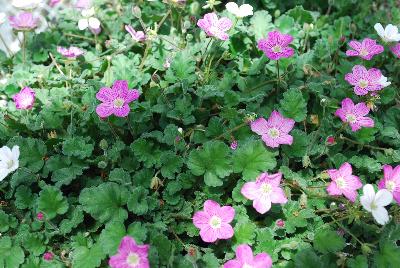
[
  {"x": 330, "y": 140},
  {"x": 102, "y": 164},
  {"x": 48, "y": 256},
  {"x": 280, "y": 223},
  {"x": 366, "y": 250},
  {"x": 156, "y": 183},
  {"x": 234, "y": 145},
  {"x": 103, "y": 144},
  {"x": 40, "y": 216},
  {"x": 137, "y": 12}
]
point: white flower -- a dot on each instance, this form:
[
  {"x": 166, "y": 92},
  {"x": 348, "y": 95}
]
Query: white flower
[
  {"x": 88, "y": 20},
  {"x": 8, "y": 160},
  {"x": 3, "y": 17},
  {"x": 383, "y": 81},
  {"x": 26, "y": 4},
  {"x": 388, "y": 34},
  {"x": 240, "y": 12},
  {"x": 375, "y": 203}
]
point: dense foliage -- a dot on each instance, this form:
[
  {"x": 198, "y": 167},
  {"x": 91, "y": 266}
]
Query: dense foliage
[{"x": 85, "y": 182}]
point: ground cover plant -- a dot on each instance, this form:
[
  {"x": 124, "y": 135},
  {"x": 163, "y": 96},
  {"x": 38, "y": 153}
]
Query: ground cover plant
[{"x": 200, "y": 134}]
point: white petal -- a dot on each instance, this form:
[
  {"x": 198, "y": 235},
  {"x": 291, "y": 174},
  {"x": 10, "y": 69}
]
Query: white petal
[
  {"x": 232, "y": 7},
  {"x": 379, "y": 29},
  {"x": 88, "y": 12},
  {"x": 245, "y": 10},
  {"x": 83, "y": 24},
  {"x": 5, "y": 154},
  {"x": 94, "y": 23},
  {"x": 380, "y": 215},
  {"x": 15, "y": 152},
  {"x": 383, "y": 198},
  {"x": 368, "y": 197},
  {"x": 3, "y": 173}
]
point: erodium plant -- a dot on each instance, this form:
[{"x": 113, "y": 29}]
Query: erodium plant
[{"x": 199, "y": 134}]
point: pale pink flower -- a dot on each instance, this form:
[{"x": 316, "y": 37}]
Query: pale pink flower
[
  {"x": 130, "y": 255},
  {"x": 245, "y": 259},
  {"x": 138, "y": 36},
  {"x": 234, "y": 145},
  {"x": 71, "y": 52},
  {"x": 354, "y": 115},
  {"x": 274, "y": 131},
  {"x": 213, "y": 221},
  {"x": 116, "y": 99},
  {"x": 215, "y": 27},
  {"x": 396, "y": 50},
  {"x": 280, "y": 223},
  {"x": 23, "y": 21},
  {"x": 364, "y": 80},
  {"x": 83, "y": 4},
  {"x": 25, "y": 99},
  {"x": 264, "y": 191},
  {"x": 391, "y": 181},
  {"x": 343, "y": 182},
  {"x": 365, "y": 49},
  {"x": 276, "y": 45}
]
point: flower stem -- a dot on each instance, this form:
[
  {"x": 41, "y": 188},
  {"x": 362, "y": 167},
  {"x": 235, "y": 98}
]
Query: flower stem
[{"x": 24, "y": 47}]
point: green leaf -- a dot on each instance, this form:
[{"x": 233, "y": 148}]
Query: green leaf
[
  {"x": 170, "y": 164},
  {"x": 52, "y": 202},
  {"x": 328, "y": 241},
  {"x": 146, "y": 151},
  {"x": 245, "y": 233},
  {"x": 23, "y": 197},
  {"x": 73, "y": 219},
  {"x": 307, "y": 258},
  {"x": 32, "y": 152},
  {"x": 64, "y": 176},
  {"x": 10, "y": 256},
  {"x": 77, "y": 146},
  {"x": 84, "y": 257},
  {"x": 252, "y": 158},
  {"x": 182, "y": 68},
  {"x": 34, "y": 244},
  {"x": 213, "y": 160},
  {"x": 137, "y": 202},
  {"x": 300, "y": 15},
  {"x": 261, "y": 24},
  {"x": 358, "y": 262},
  {"x": 365, "y": 162},
  {"x": 105, "y": 202},
  {"x": 137, "y": 231},
  {"x": 293, "y": 105},
  {"x": 4, "y": 221},
  {"x": 299, "y": 146},
  {"x": 111, "y": 236},
  {"x": 388, "y": 256}
]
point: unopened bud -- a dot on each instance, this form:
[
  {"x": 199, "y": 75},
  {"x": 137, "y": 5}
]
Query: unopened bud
[
  {"x": 102, "y": 164},
  {"x": 103, "y": 144},
  {"x": 137, "y": 12}
]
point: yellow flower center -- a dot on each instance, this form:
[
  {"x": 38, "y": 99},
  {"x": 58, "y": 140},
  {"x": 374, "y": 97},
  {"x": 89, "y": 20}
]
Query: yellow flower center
[
  {"x": 277, "y": 49},
  {"x": 118, "y": 103},
  {"x": 266, "y": 188},
  {"x": 390, "y": 185},
  {"x": 273, "y": 133},
  {"x": 10, "y": 163},
  {"x": 351, "y": 118},
  {"x": 341, "y": 183},
  {"x": 215, "y": 222},
  {"x": 133, "y": 259},
  {"x": 363, "y": 83},
  {"x": 363, "y": 52}
]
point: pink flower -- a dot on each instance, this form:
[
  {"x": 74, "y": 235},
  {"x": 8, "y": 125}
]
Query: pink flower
[
  {"x": 53, "y": 3},
  {"x": 274, "y": 131},
  {"x": 40, "y": 216},
  {"x": 365, "y": 49},
  {"x": 213, "y": 221},
  {"x": 71, "y": 52},
  {"x": 364, "y": 80},
  {"x": 354, "y": 114},
  {"x": 215, "y": 27},
  {"x": 48, "y": 256},
  {"x": 396, "y": 50},
  {"x": 265, "y": 191},
  {"x": 343, "y": 182},
  {"x": 138, "y": 36},
  {"x": 25, "y": 99},
  {"x": 23, "y": 21},
  {"x": 116, "y": 99},
  {"x": 276, "y": 45},
  {"x": 130, "y": 255},
  {"x": 245, "y": 259},
  {"x": 391, "y": 181}
]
